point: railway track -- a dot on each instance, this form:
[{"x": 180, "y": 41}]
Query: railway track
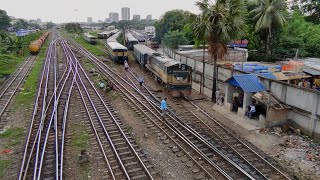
[
  {"x": 43, "y": 155},
  {"x": 124, "y": 159},
  {"x": 214, "y": 153},
  {"x": 10, "y": 88}
]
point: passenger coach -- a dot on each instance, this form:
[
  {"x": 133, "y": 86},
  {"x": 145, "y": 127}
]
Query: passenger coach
[
  {"x": 141, "y": 53},
  {"x": 90, "y": 39},
  {"x": 116, "y": 51}
]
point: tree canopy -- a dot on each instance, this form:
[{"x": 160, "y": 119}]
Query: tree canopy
[
  {"x": 73, "y": 28},
  {"x": 173, "y": 20},
  {"x": 4, "y": 20},
  {"x": 174, "y": 38}
]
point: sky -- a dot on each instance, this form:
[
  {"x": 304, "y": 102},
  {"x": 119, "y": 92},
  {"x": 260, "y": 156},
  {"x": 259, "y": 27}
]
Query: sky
[{"x": 74, "y": 10}]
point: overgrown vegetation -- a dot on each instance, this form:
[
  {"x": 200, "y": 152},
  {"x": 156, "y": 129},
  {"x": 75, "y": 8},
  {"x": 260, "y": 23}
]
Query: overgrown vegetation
[
  {"x": 12, "y": 136},
  {"x": 276, "y": 29},
  {"x": 95, "y": 49},
  {"x": 120, "y": 39},
  {"x": 174, "y": 38},
  {"x": 28, "y": 93},
  {"x": 4, "y": 164},
  {"x": 73, "y": 28}
]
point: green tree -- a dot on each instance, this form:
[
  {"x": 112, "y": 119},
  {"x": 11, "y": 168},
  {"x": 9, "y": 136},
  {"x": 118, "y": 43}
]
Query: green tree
[
  {"x": 50, "y": 25},
  {"x": 20, "y": 24},
  {"x": 4, "y": 20},
  {"x": 73, "y": 28},
  {"x": 172, "y": 21},
  {"x": 174, "y": 38},
  {"x": 219, "y": 23},
  {"x": 269, "y": 15}
]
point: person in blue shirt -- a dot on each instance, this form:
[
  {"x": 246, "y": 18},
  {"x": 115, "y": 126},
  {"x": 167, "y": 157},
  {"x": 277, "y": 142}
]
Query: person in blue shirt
[
  {"x": 163, "y": 106},
  {"x": 141, "y": 81}
]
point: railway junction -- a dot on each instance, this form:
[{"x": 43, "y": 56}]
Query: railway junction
[{"x": 74, "y": 130}]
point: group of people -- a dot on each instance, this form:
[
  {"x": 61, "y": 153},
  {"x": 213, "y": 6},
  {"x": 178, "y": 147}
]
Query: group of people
[
  {"x": 219, "y": 98},
  {"x": 107, "y": 88},
  {"x": 251, "y": 111}
]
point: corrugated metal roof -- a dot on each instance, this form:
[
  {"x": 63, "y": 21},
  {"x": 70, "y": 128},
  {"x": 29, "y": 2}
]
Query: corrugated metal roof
[
  {"x": 311, "y": 71},
  {"x": 247, "y": 82},
  {"x": 268, "y": 75},
  {"x": 280, "y": 76}
]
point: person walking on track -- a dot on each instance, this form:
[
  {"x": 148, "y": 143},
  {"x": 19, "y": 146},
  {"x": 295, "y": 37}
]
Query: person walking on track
[
  {"x": 126, "y": 66},
  {"x": 163, "y": 106},
  {"x": 141, "y": 81}
]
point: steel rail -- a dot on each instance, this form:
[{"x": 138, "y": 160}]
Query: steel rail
[
  {"x": 202, "y": 139},
  {"x": 114, "y": 120},
  {"x": 213, "y": 164},
  {"x": 231, "y": 134},
  {"x": 15, "y": 89},
  {"x": 52, "y": 119},
  {"x": 89, "y": 115}
]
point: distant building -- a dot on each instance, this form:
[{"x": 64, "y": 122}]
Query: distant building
[
  {"x": 150, "y": 29},
  {"x": 89, "y": 20},
  {"x": 149, "y": 17},
  {"x": 136, "y": 17},
  {"x": 38, "y": 20},
  {"x": 100, "y": 21},
  {"x": 113, "y": 17},
  {"x": 125, "y": 13}
]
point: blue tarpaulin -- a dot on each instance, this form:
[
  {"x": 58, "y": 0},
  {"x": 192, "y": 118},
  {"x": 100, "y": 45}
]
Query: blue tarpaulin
[{"x": 247, "y": 82}]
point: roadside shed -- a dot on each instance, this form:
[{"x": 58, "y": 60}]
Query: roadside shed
[
  {"x": 269, "y": 76},
  {"x": 240, "y": 90},
  {"x": 280, "y": 76}
]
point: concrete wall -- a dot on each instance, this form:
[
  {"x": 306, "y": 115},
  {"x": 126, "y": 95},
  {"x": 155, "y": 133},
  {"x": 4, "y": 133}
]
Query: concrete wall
[{"x": 305, "y": 101}]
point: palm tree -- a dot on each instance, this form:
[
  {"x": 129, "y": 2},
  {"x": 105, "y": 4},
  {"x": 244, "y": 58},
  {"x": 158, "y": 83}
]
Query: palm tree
[
  {"x": 269, "y": 14},
  {"x": 219, "y": 24}
]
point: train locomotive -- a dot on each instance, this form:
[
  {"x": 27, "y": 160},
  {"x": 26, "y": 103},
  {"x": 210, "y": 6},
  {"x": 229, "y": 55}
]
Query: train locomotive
[
  {"x": 90, "y": 39},
  {"x": 35, "y": 46},
  {"x": 130, "y": 40},
  {"x": 116, "y": 51},
  {"x": 175, "y": 76}
]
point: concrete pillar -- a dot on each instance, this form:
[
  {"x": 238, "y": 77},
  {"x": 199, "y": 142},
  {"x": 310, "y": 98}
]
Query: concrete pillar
[
  {"x": 228, "y": 97},
  {"x": 284, "y": 93},
  {"x": 247, "y": 100},
  {"x": 313, "y": 117}
]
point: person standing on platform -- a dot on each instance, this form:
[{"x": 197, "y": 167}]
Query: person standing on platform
[
  {"x": 163, "y": 106},
  {"x": 218, "y": 93}
]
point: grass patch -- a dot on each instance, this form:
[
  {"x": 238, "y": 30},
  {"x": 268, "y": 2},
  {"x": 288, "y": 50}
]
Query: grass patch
[
  {"x": 94, "y": 49},
  {"x": 4, "y": 164},
  {"x": 8, "y": 64},
  {"x": 80, "y": 138},
  {"x": 13, "y": 136},
  {"x": 30, "y": 87}
]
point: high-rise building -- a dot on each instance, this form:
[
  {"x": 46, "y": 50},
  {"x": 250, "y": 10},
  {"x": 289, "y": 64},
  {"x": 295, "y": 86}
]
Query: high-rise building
[
  {"x": 149, "y": 17},
  {"x": 136, "y": 17},
  {"x": 125, "y": 13},
  {"x": 38, "y": 20},
  {"x": 89, "y": 19},
  {"x": 113, "y": 17}
]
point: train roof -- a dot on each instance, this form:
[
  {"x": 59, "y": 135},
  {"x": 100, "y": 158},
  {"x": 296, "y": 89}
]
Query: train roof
[
  {"x": 116, "y": 45},
  {"x": 143, "y": 49},
  {"x": 114, "y": 37},
  {"x": 88, "y": 35},
  {"x": 108, "y": 32},
  {"x": 165, "y": 60},
  {"x": 130, "y": 37}
]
